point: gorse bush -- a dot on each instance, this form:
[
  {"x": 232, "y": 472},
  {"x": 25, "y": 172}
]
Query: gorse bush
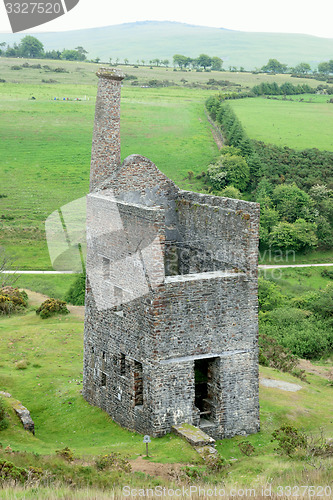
[
  {"x": 12, "y": 300},
  {"x": 269, "y": 295},
  {"x": 289, "y": 439},
  {"x": 51, "y": 307},
  {"x": 113, "y": 461},
  {"x": 66, "y": 453},
  {"x": 8, "y": 471},
  {"x": 293, "y": 442}
]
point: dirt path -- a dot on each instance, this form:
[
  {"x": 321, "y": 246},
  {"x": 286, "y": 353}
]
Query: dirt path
[
  {"x": 321, "y": 371},
  {"x": 218, "y": 138},
  {"x": 35, "y": 299},
  {"x": 166, "y": 471}
]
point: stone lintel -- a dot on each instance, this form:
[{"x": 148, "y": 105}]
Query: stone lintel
[{"x": 224, "y": 354}]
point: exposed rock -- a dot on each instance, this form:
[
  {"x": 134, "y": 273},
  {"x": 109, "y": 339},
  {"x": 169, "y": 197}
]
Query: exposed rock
[
  {"x": 24, "y": 416},
  {"x": 5, "y": 394},
  {"x": 280, "y": 384}
]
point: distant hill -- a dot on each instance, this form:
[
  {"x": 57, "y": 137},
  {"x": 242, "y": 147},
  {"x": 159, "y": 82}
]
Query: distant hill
[{"x": 153, "y": 39}]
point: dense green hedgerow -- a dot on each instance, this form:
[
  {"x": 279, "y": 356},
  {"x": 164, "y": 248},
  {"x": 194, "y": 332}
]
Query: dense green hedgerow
[{"x": 76, "y": 292}]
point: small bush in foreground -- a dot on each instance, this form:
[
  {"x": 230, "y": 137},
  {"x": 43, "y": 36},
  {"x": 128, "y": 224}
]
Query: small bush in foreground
[
  {"x": 290, "y": 439},
  {"x": 21, "y": 365},
  {"x": 113, "y": 461},
  {"x": 293, "y": 442},
  {"x": 12, "y": 300},
  {"x": 50, "y": 307},
  {"x": 66, "y": 453},
  {"x": 246, "y": 447}
]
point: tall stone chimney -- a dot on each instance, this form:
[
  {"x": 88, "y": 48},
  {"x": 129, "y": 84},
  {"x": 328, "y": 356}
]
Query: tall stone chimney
[{"x": 105, "y": 155}]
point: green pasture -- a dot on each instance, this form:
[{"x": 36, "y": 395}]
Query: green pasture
[
  {"x": 84, "y": 73},
  {"x": 297, "y": 281},
  {"x": 52, "y": 285},
  {"x": 298, "y": 125},
  {"x": 50, "y": 387},
  {"x": 278, "y": 258},
  {"x": 46, "y": 149}
]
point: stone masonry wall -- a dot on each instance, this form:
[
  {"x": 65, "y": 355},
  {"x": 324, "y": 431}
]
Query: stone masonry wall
[
  {"x": 146, "y": 332},
  {"x": 105, "y": 156}
]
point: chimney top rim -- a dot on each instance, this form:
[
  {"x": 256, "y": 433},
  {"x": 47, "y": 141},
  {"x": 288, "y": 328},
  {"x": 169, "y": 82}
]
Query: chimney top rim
[{"x": 110, "y": 73}]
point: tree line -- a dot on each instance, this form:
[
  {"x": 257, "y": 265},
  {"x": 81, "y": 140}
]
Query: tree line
[
  {"x": 294, "y": 188},
  {"x": 32, "y": 48},
  {"x": 202, "y": 61},
  {"x": 303, "y": 68}
]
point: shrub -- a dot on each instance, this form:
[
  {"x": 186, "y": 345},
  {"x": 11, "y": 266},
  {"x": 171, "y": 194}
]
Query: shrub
[
  {"x": 299, "y": 236},
  {"x": 76, "y": 292},
  {"x": 229, "y": 168},
  {"x": 320, "y": 302},
  {"x": 269, "y": 295},
  {"x": 290, "y": 439},
  {"x": 3, "y": 419},
  {"x": 8, "y": 471},
  {"x": 297, "y": 330},
  {"x": 12, "y": 300},
  {"x": 21, "y": 365},
  {"x": 51, "y": 307},
  {"x": 113, "y": 461},
  {"x": 272, "y": 354},
  {"x": 246, "y": 447},
  {"x": 66, "y": 453},
  {"x": 231, "y": 192}
]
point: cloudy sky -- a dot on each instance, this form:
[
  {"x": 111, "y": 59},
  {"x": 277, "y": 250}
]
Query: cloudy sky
[{"x": 284, "y": 16}]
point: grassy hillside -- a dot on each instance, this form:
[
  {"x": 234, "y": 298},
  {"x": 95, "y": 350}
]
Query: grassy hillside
[
  {"x": 50, "y": 384},
  {"x": 46, "y": 144},
  {"x": 298, "y": 125},
  {"x": 84, "y": 73},
  {"x": 46, "y": 148},
  {"x": 153, "y": 39}
]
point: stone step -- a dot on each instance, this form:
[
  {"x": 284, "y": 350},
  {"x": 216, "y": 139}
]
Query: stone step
[
  {"x": 206, "y": 451},
  {"x": 194, "y": 435}
]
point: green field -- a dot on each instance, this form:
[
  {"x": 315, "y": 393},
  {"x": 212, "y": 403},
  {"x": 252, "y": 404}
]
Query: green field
[
  {"x": 50, "y": 386},
  {"x": 84, "y": 73},
  {"x": 46, "y": 148},
  {"x": 46, "y": 144},
  {"x": 298, "y": 125}
]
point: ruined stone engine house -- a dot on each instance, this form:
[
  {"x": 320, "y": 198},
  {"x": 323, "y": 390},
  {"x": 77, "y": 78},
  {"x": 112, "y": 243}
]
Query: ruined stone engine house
[{"x": 171, "y": 326}]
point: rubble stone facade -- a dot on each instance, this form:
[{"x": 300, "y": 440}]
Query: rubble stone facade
[{"x": 171, "y": 326}]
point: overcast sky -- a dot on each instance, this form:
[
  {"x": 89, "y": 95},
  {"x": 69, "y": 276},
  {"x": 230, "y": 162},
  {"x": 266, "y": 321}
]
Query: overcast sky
[{"x": 283, "y": 16}]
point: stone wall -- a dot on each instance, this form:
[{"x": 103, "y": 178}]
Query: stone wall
[{"x": 171, "y": 290}]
